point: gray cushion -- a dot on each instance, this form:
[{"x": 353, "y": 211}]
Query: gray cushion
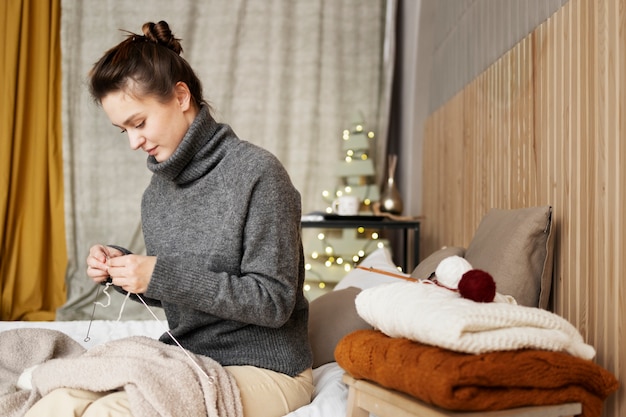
[
  {"x": 515, "y": 247},
  {"x": 331, "y": 317}
]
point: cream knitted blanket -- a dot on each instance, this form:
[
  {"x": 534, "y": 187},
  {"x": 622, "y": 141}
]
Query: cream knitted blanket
[
  {"x": 431, "y": 315},
  {"x": 160, "y": 380}
]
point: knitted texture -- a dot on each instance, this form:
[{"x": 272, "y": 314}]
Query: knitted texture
[
  {"x": 466, "y": 382},
  {"x": 223, "y": 219},
  {"x": 429, "y": 314}
]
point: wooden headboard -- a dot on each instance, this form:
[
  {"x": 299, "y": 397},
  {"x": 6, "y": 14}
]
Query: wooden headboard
[{"x": 546, "y": 124}]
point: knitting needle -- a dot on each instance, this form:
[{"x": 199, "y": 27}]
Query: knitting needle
[
  {"x": 391, "y": 274},
  {"x": 95, "y": 302}
]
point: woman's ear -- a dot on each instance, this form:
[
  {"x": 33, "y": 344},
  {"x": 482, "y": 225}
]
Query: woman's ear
[{"x": 183, "y": 95}]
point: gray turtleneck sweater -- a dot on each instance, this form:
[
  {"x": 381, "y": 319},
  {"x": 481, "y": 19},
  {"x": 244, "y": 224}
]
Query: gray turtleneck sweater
[{"x": 223, "y": 219}]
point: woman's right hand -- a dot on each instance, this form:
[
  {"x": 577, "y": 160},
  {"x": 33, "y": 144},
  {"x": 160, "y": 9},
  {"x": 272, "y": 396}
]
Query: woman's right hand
[{"x": 97, "y": 268}]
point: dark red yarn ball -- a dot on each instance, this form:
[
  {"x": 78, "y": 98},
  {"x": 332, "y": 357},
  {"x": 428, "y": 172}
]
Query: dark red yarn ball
[{"x": 477, "y": 285}]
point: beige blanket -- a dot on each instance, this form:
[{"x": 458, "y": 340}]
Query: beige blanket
[{"x": 160, "y": 380}]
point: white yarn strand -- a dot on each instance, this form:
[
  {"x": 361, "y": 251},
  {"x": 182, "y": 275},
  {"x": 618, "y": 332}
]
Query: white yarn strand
[
  {"x": 106, "y": 292},
  {"x": 211, "y": 380},
  {"x": 123, "y": 305},
  {"x": 87, "y": 338}
]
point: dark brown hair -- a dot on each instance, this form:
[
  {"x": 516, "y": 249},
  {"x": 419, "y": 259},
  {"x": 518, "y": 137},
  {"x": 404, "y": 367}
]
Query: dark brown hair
[{"x": 145, "y": 65}]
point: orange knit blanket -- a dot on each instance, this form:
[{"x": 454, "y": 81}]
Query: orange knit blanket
[{"x": 469, "y": 382}]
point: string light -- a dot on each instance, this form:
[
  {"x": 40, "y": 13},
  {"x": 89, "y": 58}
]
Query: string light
[
  {"x": 330, "y": 259},
  {"x": 356, "y": 152}
]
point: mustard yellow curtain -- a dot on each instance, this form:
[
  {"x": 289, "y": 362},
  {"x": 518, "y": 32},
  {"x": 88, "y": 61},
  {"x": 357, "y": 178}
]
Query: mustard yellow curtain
[{"x": 33, "y": 254}]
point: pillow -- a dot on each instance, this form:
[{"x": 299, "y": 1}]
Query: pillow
[
  {"x": 379, "y": 260},
  {"x": 331, "y": 317},
  {"x": 427, "y": 267},
  {"x": 516, "y": 247}
]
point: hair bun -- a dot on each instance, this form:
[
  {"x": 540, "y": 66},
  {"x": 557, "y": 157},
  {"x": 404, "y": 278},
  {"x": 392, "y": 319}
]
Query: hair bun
[{"x": 161, "y": 34}]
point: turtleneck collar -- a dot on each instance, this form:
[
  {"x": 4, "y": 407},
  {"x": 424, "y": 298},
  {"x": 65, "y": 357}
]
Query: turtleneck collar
[{"x": 197, "y": 153}]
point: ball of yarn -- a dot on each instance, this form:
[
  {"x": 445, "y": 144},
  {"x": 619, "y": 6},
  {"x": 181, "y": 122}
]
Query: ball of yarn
[
  {"x": 477, "y": 285},
  {"x": 451, "y": 269}
]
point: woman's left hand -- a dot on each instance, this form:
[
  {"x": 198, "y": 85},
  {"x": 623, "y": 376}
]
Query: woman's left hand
[{"x": 132, "y": 272}]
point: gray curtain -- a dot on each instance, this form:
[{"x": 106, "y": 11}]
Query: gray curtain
[{"x": 288, "y": 75}]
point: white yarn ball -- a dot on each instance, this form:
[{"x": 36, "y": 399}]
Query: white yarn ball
[{"x": 451, "y": 269}]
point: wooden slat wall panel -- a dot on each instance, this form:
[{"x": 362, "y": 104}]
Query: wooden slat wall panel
[{"x": 544, "y": 125}]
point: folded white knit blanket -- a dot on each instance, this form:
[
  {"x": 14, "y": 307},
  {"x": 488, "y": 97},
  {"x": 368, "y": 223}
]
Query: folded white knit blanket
[{"x": 428, "y": 314}]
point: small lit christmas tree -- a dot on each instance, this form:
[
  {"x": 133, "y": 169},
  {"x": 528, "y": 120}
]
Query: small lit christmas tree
[
  {"x": 335, "y": 251},
  {"x": 356, "y": 173}
]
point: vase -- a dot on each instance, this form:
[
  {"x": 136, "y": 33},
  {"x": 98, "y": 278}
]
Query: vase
[{"x": 390, "y": 199}]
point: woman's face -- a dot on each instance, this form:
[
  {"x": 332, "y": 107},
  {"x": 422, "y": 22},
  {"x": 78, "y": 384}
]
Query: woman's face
[{"x": 153, "y": 126}]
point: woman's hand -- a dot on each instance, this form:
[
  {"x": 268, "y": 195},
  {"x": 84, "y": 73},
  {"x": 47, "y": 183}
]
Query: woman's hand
[
  {"x": 131, "y": 272},
  {"x": 97, "y": 268}
]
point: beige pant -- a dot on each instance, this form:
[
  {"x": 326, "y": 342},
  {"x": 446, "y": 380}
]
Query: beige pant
[{"x": 264, "y": 393}]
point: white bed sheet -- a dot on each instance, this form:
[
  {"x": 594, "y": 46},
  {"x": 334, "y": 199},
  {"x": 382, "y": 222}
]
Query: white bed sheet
[{"x": 329, "y": 400}]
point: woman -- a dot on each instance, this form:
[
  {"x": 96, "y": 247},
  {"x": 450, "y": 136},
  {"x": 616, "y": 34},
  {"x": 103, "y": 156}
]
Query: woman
[{"x": 221, "y": 223}]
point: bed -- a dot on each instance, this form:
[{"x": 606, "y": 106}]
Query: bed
[
  {"x": 330, "y": 395},
  {"x": 515, "y": 246}
]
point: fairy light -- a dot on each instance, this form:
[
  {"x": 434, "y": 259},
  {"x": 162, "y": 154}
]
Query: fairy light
[{"x": 329, "y": 253}]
